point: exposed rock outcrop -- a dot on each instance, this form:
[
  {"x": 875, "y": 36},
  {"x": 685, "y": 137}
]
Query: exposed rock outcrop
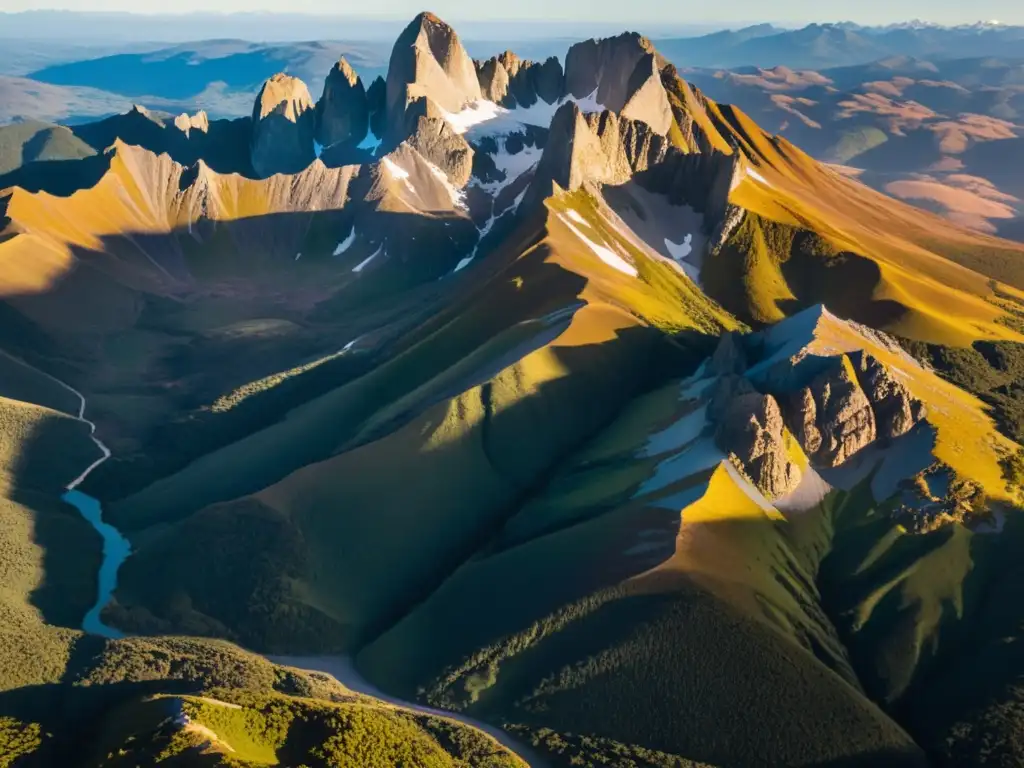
[
  {"x": 849, "y": 405},
  {"x": 283, "y": 126},
  {"x": 342, "y": 114},
  {"x": 832, "y": 417},
  {"x": 438, "y": 143},
  {"x": 601, "y": 147},
  {"x": 428, "y": 61},
  {"x": 751, "y": 430},
  {"x": 376, "y": 104},
  {"x": 896, "y": 410},
  {"x": 728, "y": 356},
  {"x": 615, "y": 70},
  {"x": 514, "y": 82},
  {"x": 647, "y": 99},
  {"x": 493, "y": 79},
  {"x": 187, "y": 123}
]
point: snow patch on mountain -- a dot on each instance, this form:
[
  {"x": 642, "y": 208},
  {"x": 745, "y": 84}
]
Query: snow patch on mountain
[
  {"x": 485, "y": 118},
  {"x": 361, "y": 265},
  {"x": 512, "y": 165},
  {"x": 605, "y": 254},
  {"x": 345, "y": 244}
]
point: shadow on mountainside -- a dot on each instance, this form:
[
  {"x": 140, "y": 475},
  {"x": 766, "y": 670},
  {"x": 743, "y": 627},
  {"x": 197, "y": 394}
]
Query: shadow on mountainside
[
  {"x": 180, "y": 293},
  {"x": 461, "y": 477}
]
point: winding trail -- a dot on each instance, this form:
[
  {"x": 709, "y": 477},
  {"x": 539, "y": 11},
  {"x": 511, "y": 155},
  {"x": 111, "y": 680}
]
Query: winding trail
[
  {"x": 116, "y": 549},
  {"x": 344, "y": 671}
]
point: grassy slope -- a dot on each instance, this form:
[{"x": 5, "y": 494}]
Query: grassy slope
[
  {"x": 232, "y": 727},
  {"x": 585, "y": 612},
  {"x": 904, "y": 270}
]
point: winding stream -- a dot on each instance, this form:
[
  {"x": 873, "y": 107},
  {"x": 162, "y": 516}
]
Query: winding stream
[{"x": 116, "y": 549}]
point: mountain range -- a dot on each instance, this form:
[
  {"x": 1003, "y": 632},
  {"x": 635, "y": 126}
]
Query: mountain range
[{"x": 502, "y": 412}]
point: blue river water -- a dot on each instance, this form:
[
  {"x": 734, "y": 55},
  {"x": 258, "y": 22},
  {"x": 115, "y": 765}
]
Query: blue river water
[{"x": 116, "y": 549}]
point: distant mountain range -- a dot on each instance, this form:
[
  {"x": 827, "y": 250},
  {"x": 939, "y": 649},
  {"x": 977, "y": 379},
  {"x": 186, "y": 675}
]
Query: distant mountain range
[{"x": 947, "y": 134}]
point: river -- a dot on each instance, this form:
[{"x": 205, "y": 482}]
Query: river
[{"x": 116, "y": 549}]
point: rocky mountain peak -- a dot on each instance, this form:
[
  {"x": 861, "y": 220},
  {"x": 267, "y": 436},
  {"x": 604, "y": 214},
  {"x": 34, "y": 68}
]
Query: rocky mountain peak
[
  {"x": 599, "y": 147},
  {"x": 428, "y": 61},
  {"x": 283, "y": 127},
  {"x": 608, "y": 69},
  {"x": 342, "y": 114},
  {"x": 187, "y": 123}
]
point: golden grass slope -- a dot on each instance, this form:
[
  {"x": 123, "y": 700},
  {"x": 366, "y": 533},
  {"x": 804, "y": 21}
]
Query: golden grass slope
[{"x": 934, "y": 278}]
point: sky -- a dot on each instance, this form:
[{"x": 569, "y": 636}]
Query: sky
[{"x": 670, "y": 11}]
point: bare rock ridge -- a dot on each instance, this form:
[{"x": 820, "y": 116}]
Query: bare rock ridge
[
  {"x": 435, "y": 139},
  {"x": 750, "y": 429},
  {"x": 283, "y": 127},
  {"x": 599, "y": 147},
  {"x": 608, "y": 69},
  {"x": 852, "y": 401},
  {"x": 849, "y": 405},
  {"x": 513, "y": 82},
  {"x": 428, "y": 61},
  {"x": 342, "y": 114}
]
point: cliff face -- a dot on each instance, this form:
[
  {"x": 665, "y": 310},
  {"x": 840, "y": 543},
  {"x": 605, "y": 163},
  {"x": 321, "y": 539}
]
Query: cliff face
[
  {"x": 428, "y": 61},
  {"x": 283, "y": 127},
  {"x": 343, "y": 112}
]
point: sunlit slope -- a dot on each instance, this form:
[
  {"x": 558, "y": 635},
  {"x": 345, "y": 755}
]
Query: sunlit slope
[
  {"x": 647, "y": 568},
  {"x": 800, "y": 234},
  {"x": 231, "y": 728},
  {"x": 477, "y": 407},
  {"x": 647, "y": 555}
]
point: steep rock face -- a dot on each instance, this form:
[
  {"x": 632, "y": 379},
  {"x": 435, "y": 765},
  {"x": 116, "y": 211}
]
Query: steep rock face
[
  {"x": 493, "y": 79},
  {"x": 729, "y": 356},
  {"x": 428, "y": 61},
  {"x": 283, "y": 126},
  {"x": 511, "y": 81},
  {"x": 594, "y": 147},
  {"x": 647, "y": 99},
  {"x": 832, "y": 417},
  {"x": 187, "y": 123},
  {"x": 849, "y": 405},
  {"x": 750, "y": 428},
  {"x": 376, "y": 105},
  {"x": 896, "y": 410},
  {"x": 343, "y": 113},
  {"x": 616, "y": 69},
  {"x": 437, "y": 142}
]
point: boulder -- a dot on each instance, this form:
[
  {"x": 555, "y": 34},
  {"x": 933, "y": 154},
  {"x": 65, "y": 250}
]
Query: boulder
[
  {"x": 283, "y": 127},
  {"x": 343, "y": 113}
]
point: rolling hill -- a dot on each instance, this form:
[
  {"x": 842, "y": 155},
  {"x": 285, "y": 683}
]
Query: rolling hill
[{"x": 576, "y": 417}]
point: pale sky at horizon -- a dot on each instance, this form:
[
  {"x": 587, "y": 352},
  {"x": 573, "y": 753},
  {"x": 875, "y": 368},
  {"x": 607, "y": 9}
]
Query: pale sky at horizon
[{"x": 669, "y": 11}]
